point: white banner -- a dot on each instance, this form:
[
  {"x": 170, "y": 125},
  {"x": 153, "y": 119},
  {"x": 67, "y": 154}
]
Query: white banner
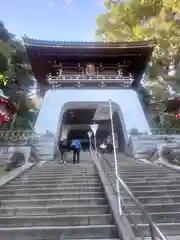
[{"x": 103, "y": 113}]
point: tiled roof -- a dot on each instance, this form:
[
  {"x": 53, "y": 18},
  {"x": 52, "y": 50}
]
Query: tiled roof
[{"x": 81, "y": 44}]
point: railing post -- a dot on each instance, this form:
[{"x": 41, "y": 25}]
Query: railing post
[
  {"x": 152, "y": 231},
  {"x": 115, "y": 160},
  {"x": 95, "y": 143}
]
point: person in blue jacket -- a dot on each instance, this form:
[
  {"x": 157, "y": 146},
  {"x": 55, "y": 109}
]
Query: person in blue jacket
[{"x": 76, "y": 147}]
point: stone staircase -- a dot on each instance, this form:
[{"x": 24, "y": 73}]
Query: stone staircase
[
  {"x": 56, "y": 202},
  {"x": 158, "y": 189}
]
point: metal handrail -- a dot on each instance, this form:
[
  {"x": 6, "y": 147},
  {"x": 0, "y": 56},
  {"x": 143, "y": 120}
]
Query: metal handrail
[{"x": 153, "y": 227}]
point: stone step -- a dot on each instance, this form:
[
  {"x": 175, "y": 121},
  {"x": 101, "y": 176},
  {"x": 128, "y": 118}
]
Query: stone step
[
  {"x": 152, "y": 174},
  {"x": 49, "y": 180},
  {"x": 55, "y": 165},
  {"x": 159, "y": 207},
  {"x": 168, "y": 237},
  {"x": 60, "y": 176},
  {"x": 159, "y": 217},
  {"x": 62, "y": 220},
  {"x": 65, "y": 179},
  {"x": 154, "y": 199},
  {"x": 48, "y": 173},
  {"x": 138, "y": 166},
  {"x": 147, "y": 178},
  {"x": 61, "y": 172},
  {"x": 163, "y": 192},
  {"x": 60, "y": 195},
  {"x": 52, "y": 186},
  {"x": 144, "y": 171},
  {"x": 168, "y": 229},
  {"x": 148, "y": 175},
  {"x": 65, "y": 167},
  {"x": 56, "y": 178},
  {"x": 55, "y": 210},
  {"x": 147, "y": 183},
  {"x": 70, "y": 173},
  {"x": 50, "y": 190},
  {"x": 58, "y": 166},
  {"x": 165, "y": 186},
  {"x": 58, "y": 232},
  {"x": 79, "y": 167},
  {"x": 53, "y": 202}
]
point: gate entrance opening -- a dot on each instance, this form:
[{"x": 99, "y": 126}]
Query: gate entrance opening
[{"x": 76, "y": 125}]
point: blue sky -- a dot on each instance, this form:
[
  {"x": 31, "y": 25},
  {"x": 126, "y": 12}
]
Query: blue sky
[{"x": 73, "y": 20}]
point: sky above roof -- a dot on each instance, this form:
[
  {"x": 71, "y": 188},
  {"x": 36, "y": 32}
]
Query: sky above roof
[{"x": 68, "y": 20}]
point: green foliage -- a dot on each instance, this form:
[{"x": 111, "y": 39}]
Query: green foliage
[
  {"x": 3, "y": 63},
  {"x": 143, "y": 20},
  {"x": 144, "y": 96},
  {"x": 134, "y": 20},
  {"x": 170, "y": 121},
  {"x": 15, "y": 74},
  {"x": 159, "y": 90},
  {"x": 3, "y": 80}
]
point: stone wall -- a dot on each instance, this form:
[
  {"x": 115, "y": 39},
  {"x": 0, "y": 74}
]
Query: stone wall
[
  {"x": 5, "y": 153},
  {"x": 145, "y": 147}
]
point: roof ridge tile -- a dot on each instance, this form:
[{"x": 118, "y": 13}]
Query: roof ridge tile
[{"x": 38, "y": 42}]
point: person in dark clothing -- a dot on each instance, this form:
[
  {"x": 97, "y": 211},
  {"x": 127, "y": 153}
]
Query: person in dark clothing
[
  {"x": 63, "y": 149},
  {"x": 109, "y": 144},
  {"x": 76, "y": 147}
]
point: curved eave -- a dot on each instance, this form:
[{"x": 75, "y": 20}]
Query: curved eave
[{"x": 84, "y": 45}]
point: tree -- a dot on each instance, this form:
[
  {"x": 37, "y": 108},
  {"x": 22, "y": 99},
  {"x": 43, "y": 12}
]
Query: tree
[
  {"x": 15, "y": 74},
  {"x": 144, "y": 20}
]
